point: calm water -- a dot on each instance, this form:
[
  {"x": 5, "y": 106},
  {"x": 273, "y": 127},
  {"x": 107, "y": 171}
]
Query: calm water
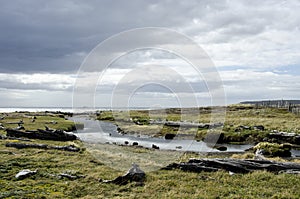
[{"x": 106, "y": 132}]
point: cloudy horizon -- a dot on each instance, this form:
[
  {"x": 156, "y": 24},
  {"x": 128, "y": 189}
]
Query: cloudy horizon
[{"x": 254, "y": 46}]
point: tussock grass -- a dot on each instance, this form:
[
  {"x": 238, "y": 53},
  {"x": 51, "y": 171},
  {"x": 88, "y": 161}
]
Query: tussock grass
[{"x": 159, "y": 183}]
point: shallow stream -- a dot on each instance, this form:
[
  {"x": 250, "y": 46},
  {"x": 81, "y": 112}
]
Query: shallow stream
[{"x": 106, "y": 132}]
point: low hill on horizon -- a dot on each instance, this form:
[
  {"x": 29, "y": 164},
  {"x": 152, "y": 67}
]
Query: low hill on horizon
[{"x": 273, "y": 102}]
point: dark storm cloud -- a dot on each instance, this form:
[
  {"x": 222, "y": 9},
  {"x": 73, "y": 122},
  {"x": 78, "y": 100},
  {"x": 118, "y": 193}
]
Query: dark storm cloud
[{"x": 53, "y": 36}]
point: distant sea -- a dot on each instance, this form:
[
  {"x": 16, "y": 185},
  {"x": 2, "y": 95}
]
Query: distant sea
[{"x": 62, "y": 109}]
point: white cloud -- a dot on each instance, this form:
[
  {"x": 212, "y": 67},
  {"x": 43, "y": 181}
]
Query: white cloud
[
  {"x": 37, "y": 81},
  {"x": 258, "y": 35},
  {"x": 241, "y": 85}
]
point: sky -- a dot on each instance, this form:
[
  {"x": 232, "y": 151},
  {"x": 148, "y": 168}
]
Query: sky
[{"x": 44, "y": 45}]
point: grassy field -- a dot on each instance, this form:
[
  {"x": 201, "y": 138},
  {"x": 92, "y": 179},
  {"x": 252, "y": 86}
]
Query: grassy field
[
  {"x": 236, "y": 116},
  {"x": 55, "y": 121},
  {"x": 159, "y": 183}
]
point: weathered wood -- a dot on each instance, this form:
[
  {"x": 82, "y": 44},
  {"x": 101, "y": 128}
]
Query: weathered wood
[
  {"x": 70, "y": 177},
  {"x": 57, "y": 135},
  {"x": 42, "y": 146},
  {"x": 188, "y": 124},
  {"x": 234, "y": 165},
  {"x": 282, "y": 137},
  {"x": 22, "y": 145}
]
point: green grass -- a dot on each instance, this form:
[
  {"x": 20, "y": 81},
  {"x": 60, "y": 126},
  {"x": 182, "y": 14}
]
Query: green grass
[
  {"x": 51, "y": 120},
  {"x": 159, "y": 183}
]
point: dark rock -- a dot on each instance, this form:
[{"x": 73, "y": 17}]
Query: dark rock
[
  {"x": 135, "y": 144},
  {"x": 134, "y": 174},
  {"x": 120, "y": 130},
  {"x": 25, "y": 174},
  {"x": 221, "y": 148},
  {"x": 169, "y": 136},
  {"x": 155, "y": 146},
  {"x": 259, "y": 127},
  {"x": 61, "y": 115}
]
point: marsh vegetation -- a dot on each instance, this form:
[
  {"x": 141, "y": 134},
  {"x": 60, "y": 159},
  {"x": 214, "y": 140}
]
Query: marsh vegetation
[{"x": 48, "y": 183}]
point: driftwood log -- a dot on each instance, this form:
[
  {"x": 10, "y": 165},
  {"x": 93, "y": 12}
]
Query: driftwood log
[
  {"x": 70, "y": 177},
  {"x": 57, "y": 135},
  {"x": 284, "y": 137},
  {"x": 188, "y": 124},
  {"x": 235, "y": 165},
  {"x": 42, "y": 146}
]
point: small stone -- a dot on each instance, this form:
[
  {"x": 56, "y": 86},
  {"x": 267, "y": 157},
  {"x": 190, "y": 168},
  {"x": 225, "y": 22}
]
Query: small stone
[
  {"x": 221, "y": 148},
  {"x": 25, "y": 174}
]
